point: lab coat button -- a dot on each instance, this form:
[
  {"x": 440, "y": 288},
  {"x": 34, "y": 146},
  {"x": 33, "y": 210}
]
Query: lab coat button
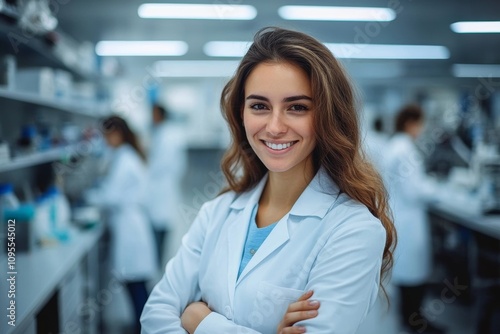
[{"x": 228, "y": 312}]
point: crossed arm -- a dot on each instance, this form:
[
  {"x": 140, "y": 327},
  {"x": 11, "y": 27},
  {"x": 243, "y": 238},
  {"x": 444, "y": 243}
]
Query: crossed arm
[
  {"x": 304, "y": 308},
  {"x": 345, "y": 278}
]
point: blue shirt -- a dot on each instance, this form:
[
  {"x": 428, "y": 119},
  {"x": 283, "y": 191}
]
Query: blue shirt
[{"x": 255, "y": 238}]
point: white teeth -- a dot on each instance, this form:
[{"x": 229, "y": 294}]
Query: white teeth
[{"x": 278, "y": 147}]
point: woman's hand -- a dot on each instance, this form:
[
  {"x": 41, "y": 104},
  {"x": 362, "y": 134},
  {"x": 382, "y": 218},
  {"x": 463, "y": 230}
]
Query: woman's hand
[
  {"x": 193, "y": 316},
  {"x": 302, "y": 309}
]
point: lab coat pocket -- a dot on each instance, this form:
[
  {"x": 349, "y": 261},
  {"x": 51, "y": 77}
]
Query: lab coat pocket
[
  {"x": 272, "y": 302},
  {"x": 279, "y": 293}
]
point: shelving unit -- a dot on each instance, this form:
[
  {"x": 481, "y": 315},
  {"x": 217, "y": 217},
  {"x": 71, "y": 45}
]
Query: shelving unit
[
  {"x": 32, "y": 50},
  {"x": 14, "y": 41},
  {"x": 61, "y": 105},
  {"x": 52, "y": 284},
  {"x": 37, "y": 158}
]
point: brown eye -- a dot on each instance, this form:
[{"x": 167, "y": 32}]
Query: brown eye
[
  {"x": 299, "y": 107},
  {"x": 258, "y": 106}
]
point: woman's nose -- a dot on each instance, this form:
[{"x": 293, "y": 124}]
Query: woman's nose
[{"x": 276, "y": 125}]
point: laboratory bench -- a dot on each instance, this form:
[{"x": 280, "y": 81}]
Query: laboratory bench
[
  {"x": 53, "y": 286},
  {"x": 468, "y": 216},
  {"x": 466, "y": 248}
]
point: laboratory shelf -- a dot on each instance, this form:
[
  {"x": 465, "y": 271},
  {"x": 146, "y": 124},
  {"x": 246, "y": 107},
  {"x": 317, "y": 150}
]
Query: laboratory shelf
[
  {"x": 97, "y": 110},
  {"x": 37, "y": 50},
  {"x": 37, "y": 158}
]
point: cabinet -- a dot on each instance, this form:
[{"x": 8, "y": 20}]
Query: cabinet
[{"x": 55, "y": 287}]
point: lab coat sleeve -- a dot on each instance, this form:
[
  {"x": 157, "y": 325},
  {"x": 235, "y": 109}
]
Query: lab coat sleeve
[
  {"x": 421, "y": 187},
  {"x": 119, "y": 185},
  {"x": 407, "y": 170},
  {"x": 179, "y": 285},
  {"x": 345, "y": 277}
]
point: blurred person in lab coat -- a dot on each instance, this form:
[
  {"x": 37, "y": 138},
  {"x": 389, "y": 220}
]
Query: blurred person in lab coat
[
  {"x": 167, "y": 162},
  {"x": 410, "y": 190},
  {"x": 122, "y": 193},
  {"x": 375, "y": 143},
  {"x": 301, "y": 237}
]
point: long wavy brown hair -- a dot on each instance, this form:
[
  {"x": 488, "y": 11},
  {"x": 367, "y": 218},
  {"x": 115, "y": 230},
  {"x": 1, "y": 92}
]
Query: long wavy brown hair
[{"x": 338, "y": 149}]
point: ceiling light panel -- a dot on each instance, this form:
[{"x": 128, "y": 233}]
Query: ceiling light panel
[
  {"x": 342, "y": 50},
  {"x": 476, "y": 27},
  {"x": 141, "y": 48},
  {"x": 388, "y": 51},
  {"x": 195, "y": 68},
  {"x": 329, "y": 13},
  {"x": 476, "y": 71},
  {"x": 226, "y": 49},
  {"x": 196, "y": 11}
]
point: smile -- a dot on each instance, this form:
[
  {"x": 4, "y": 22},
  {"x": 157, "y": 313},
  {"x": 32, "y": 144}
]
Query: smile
[{"x": 279, "y": 147}]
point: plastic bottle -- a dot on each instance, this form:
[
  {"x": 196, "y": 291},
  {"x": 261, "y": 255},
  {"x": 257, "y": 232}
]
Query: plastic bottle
[
  {"x": 7, "y": 201},
  {"x": 52, "y": 217},
  {"x": 7, "y": 198}
]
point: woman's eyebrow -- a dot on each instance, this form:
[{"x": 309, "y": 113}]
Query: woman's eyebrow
[
  {"x": 286, "y": 99},
  {"x": 296, "y": 98},
  {"x": 257, "y": 97}
]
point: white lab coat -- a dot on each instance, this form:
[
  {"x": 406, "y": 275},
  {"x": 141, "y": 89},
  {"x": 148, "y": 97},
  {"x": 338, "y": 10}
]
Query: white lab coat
[
  {"x": 409, "y": 191},
  {"x": 327, "y": 243},
  {"x": 167, "y": 162},
  {"x": 122, "y": 193},
  {"x": 375, "y": 145}
]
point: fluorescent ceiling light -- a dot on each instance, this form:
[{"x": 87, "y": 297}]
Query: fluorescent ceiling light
[
  {"x": 329, "y": 13},
  {"x": 476, "y": 27},
  {"x": 195, "y": 11},
  {"x": 195, "y": 68},
  {"x": 476, "y": 71},
  {"x": 343, "y": 50},
  {"x": 388, "y": 51},
  {"x": 141, "y": 48},
  {"x": 375, "y": 70},
  {"x": 226, "y": 49}
]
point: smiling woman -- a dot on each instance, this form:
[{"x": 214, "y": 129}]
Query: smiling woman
[{"x": 303, "y": 214}]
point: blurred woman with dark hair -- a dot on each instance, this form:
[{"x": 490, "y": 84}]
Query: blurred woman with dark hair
[{"x": 122, "y": 195}]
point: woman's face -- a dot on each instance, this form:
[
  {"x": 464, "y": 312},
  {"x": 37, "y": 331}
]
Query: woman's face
[
  {"x": 278, "y": 116},
  {"x": 114, "y": 138},
  {"x": 414, "y": 129}
]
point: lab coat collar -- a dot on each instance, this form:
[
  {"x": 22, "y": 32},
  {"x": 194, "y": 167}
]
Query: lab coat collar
[
  {"x": 249, "y": 197},
  {"x": 315, "y": 200},
  {"x": 319, "y": 196}
]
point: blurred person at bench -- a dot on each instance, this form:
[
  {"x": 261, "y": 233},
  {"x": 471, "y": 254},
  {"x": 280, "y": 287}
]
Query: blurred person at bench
[
  {"x": 122, "y": 194},
  {"x": 410, "y": 190},
  {"x": 167, "y": 161}
]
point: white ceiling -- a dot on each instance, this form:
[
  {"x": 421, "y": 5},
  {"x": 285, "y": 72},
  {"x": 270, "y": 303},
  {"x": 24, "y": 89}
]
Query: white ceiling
[{"x": 418, "y": 22}]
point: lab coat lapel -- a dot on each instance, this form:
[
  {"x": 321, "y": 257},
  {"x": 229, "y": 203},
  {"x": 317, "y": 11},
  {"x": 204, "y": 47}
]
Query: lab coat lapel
[
  {"x": 237, "y": 232},
  {"x": 278, "y": 236},
  {"x": 236, "y": 236}
]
